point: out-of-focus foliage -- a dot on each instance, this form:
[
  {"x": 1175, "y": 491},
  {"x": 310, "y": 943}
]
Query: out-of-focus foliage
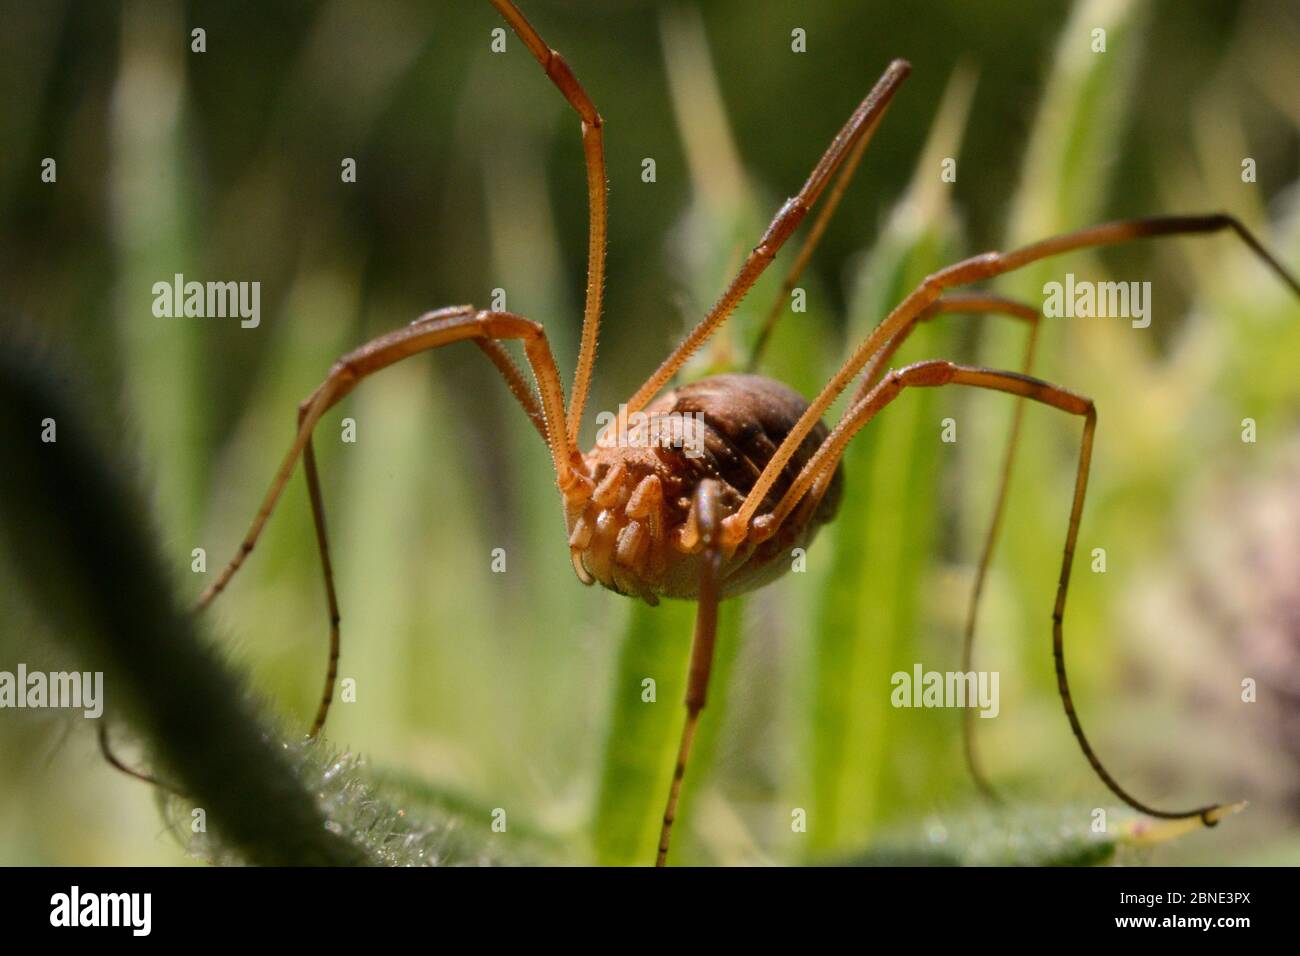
[{"x": 523, "y": 691}]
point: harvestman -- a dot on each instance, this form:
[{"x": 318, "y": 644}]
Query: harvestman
[{"x": 651, "y": 522}]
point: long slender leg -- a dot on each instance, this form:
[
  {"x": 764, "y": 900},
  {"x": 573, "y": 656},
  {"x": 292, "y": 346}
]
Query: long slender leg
[
  {"x": 106, "y": 750},
  {"x": 593, "y": 149},
  {"x": 810, "y": 243},
  {"x": 933, "y": 374},
  {"x": 948, "y": 304},
  {"x": 708, "y": 521},
  {"x": 515, "y": 381},
  {"x": 786, "y": 221},
  {"x": 815, "y": 483},
  {"x": 816, "y": 486},
  {"x": 975, "y": 269},
  {"x": 982, "y": 568},
  {"x": 429, "y": 332},
  {"x": 327, "y": 573},
  {"x": 956, "y": 303}
]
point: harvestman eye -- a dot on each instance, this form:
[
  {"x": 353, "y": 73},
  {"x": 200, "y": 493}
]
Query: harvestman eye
[{"x": 651, "y": 521}]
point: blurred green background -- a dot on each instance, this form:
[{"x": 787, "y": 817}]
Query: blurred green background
[{"x": 522, "y": 690}]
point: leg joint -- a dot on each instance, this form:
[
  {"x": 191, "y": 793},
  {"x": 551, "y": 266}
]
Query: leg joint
[
  {"x": 511, "y": 326},
  {"x": 787, "y": 221},
  {"x": 983, "y": 266},
  {"x": 557, "y": 68},
  {"x": 926, "y": 374}
]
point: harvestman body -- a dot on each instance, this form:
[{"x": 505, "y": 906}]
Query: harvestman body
[{"x": 652, "y": 521}]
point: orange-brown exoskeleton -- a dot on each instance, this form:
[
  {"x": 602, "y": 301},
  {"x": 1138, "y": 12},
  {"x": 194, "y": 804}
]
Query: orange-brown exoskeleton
[{"x": 648, "y": 518}]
